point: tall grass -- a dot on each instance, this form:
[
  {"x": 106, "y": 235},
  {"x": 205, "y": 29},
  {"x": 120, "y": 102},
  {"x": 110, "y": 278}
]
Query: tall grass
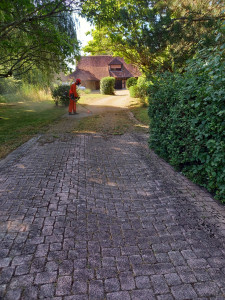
[{"x": 14, "y": 91}]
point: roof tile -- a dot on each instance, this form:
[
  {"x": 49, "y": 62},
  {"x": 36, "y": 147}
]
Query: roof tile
[{"x": 97, "y": 67}]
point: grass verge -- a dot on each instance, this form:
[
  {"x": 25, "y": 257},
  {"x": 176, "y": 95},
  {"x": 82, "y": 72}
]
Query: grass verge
[
  {"x": 140, "y": 112},
  {"x": 21, "y": 121}
]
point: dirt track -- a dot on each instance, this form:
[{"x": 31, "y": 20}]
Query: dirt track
[
  {"x": 121, "y": 100},
  {"x": 103, "y": 106}
]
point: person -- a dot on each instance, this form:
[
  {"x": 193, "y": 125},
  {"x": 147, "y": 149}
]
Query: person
[{"x": 73, "y": 96}]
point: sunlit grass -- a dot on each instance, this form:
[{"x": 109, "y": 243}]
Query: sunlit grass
[
  {"x": 111, "y": 123},
  {"x": 21, "y": 121},
  {"x": 140, "y": 112},
  {"x": 87, "y": 98},
  {"x": 26, "y": 95}
]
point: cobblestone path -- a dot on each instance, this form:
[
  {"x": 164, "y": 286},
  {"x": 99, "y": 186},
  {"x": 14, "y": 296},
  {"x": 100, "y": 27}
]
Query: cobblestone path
[{"x": 92, "y": 217}]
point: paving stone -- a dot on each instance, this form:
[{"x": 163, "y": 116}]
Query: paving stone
[
  {"x": 159, "y": 284},
  {"x": 112, "y": 285},
  {"x": 64, "y": 284},
  {"x": 79, "y": 287},
  {"x": 45, "y": 277},
  {"x": 21, "y": 281},
  {"x": 186, "y": 274},
  {"x": 76, "y": 297},
  {"x": 197, "y": 263},
  {"x": 127, "y": 281},
  {"x": 118, "y": 296},
  {"x": 6, "y": 275},
  {"x": 4, "y": 262},
  {"x": 176, "y": 258},
  {"x": 142, "y": 282},
  {"x": 102, "y": 217},
  {"x": 96, "y": 289},
  {"x": 30, "y": 292},
  {"x": 206, "y": 289},
  {"x": 2, "y": 290},
  {"x": 147, "y": 294},
  {"x": 47, "y": 290},
  {"x": 184, "y": 291},
  {"x": 165, "y": 297},
  {"x": 173, "y": 279},
  {"x": 13, "y": 294},
  {"x": 162, "y": 257}
]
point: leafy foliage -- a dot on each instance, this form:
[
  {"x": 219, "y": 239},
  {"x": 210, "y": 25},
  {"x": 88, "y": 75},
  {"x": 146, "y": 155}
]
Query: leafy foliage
[
  {"x": 107, "y": 85},
  {"x": 131, "y": 81},
  {"x": 37, "y": 34},
  {"x": 60, "y": 94},
  {"x": 187, "y": 113},
  {"x": 154, "y": 35},
  {"x": 134, "y": 91},
  {"x": 139, "y": 89},
  {"x": 143, "y": 85}
]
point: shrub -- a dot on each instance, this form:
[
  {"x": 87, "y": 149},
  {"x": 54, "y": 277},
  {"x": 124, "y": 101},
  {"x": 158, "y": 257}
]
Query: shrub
[
  {"x": 134, "y": 91},
  {"x": 143, "y": 85},
  {"x": 187, "y": 114},
  {"x": 60, "y": 94},
  {"x": 107, "y": 85},
  {"x": 131, "y": 82}
]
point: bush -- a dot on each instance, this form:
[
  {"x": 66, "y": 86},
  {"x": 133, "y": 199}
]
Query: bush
[
  {"x": 143, "y": 86},
  {"x": 107, "y": 85},
  {"x": 131, "y": 82},
  {"x": 134, "y": 91},
  {"x": 187, "y": 114},
  {"x": 60, "y": 94}
]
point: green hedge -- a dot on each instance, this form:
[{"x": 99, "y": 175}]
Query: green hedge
[
  {"x": 134, "y": 93},
  {"x": 60, "y": 94},
  {"x": 187, "y": 113},
  {"x": 131, "y": 82},
  {"x": 107, "y": 85}
]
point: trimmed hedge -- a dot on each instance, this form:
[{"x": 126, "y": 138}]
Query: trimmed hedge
[
  {"x": 131, "y": 82},
  {"x": 134, "y": 93},
  {"x": 107, "y": 85},
  {"x": 187, "y": 113}
]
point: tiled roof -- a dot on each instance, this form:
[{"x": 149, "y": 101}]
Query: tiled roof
[
  {"x": 115, "y": 61},
  {"x": 97, "y": 67},
  {"x": 83, "y": 75}
]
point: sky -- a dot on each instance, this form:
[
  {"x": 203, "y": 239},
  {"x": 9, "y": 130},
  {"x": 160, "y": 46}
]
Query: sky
[{"x": 83, "y": 27}]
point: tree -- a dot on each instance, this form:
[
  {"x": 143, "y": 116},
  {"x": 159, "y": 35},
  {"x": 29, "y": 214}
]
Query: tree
[
  {"x": 154, "y": 34},
  {"x": 37, "y": 34}
]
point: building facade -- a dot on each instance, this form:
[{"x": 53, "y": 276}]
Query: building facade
[{"x": 91, "y": 69}]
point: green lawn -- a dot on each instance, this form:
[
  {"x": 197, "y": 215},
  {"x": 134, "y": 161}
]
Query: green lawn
[
  {"x": 20, "y": 121},
  {"x": 141, "y": 114}
]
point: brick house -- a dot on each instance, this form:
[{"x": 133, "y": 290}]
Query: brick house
[{"x": 91, "y": 69}]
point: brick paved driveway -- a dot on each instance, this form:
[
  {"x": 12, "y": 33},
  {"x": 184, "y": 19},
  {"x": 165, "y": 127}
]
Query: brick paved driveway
[{"x": 93, "y": 217}]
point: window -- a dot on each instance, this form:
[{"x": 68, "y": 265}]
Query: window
[{"x": 115, "y": 67}]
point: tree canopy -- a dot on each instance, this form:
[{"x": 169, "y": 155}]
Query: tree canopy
[
  {"x": 153, "y": 34},
  {"x": 37, "y": 34}
]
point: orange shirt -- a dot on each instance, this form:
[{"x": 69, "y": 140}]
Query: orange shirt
[{"x": 73, "y": 90}]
